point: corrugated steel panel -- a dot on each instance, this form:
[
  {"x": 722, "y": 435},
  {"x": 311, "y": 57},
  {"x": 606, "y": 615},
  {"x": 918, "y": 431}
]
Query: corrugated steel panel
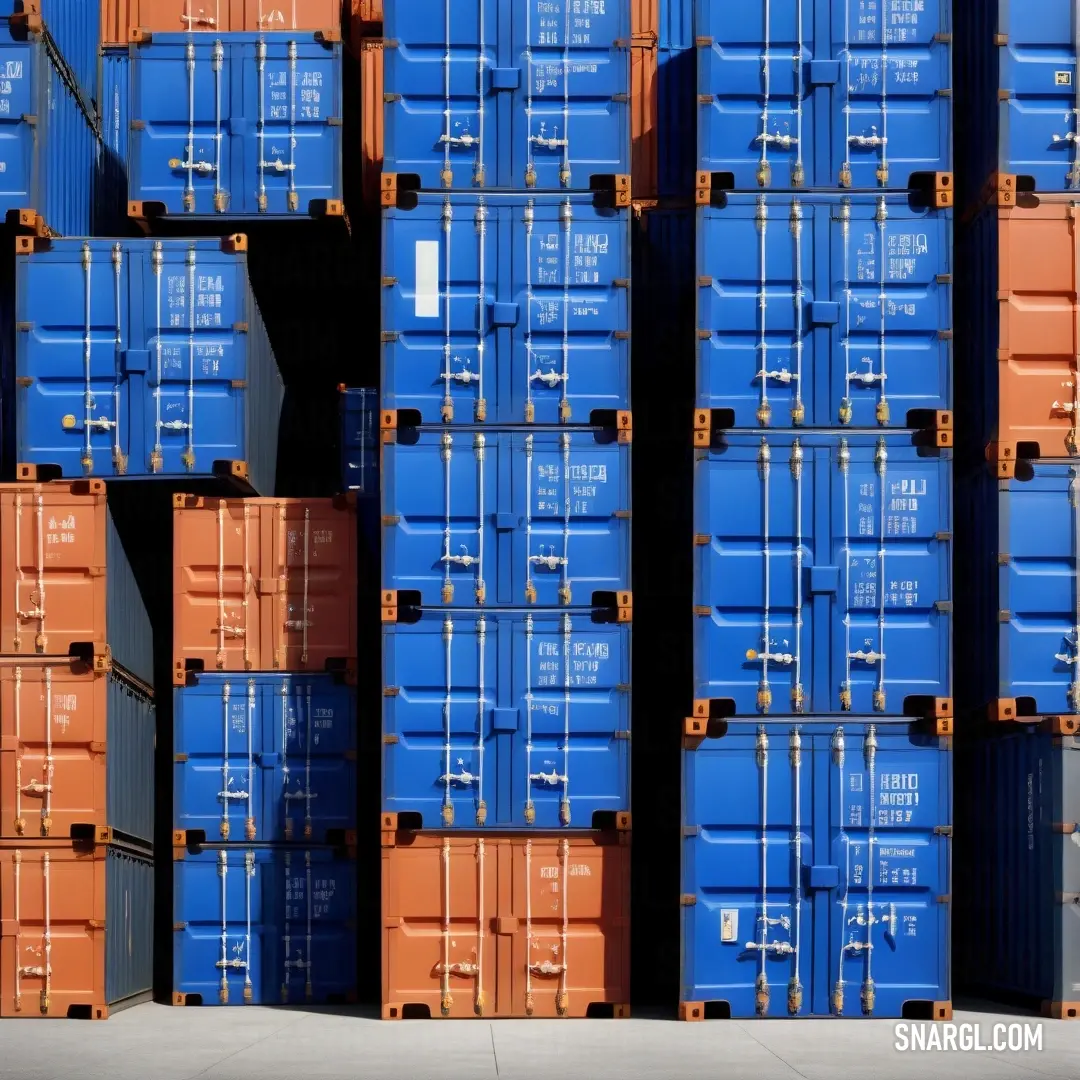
[
  {"x": 113, "y": 97},
  {"x": 265, "y": 757},
  {"x": 821, "y": 310},
  {"x": 256, "y": 134},
  {"x": 823, "y": 573},
  {"x": 506, "y": 517},
  {"x": 549, "y": 340},
  {"x": 865, "y": 107},
  {"x": 802, "y": 903},
  {"x": 509, "y": 719},
  {"x": 1017, "y": 872},
  {"x": 182, "y": 381},
  {"x": 50, "y": 146},
  {"x": 539, "y": 926},
  {"x": 360, "y": 442},
  {"x": 1021, "y": 557},
  {"x": 89, "y": 909},
  {"x": 71, "y": 29},
  {"x": 372, "y": 65},
  {"x": 129, "y": 632},
  {"x": 554, "y": 111},
  {"x": 264, "y": 926},
  {"x": 77, "y": 753},
  {"x": 662, "y": 120}
]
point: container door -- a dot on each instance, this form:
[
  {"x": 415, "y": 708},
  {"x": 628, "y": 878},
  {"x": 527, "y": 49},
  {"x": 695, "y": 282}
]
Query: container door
[
  {"x": 445, "y": 265},
  {"x": 76, "y": 360},
  {"x": 889, "y": 567},
  {"x": 755, "y": 584},
  {"x": 568, "y": 342},
  {"x": 888, "y": 918},
  {"x": 563, "y": 733},
  {"x": 24, "y": 75},
  {"x": 290, "y": 105},
  {"x": 182, "y": 97}
]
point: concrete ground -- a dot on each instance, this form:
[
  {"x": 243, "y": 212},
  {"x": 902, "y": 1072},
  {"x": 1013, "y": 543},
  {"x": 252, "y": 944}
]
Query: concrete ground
[{"x": 155, "y": 1042}]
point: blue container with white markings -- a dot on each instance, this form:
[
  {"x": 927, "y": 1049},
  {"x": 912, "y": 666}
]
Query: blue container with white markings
[
  {"x": 817, "y": 856},
  {"x": 264, "y": 926},
  {"x": 519, "y": 94},
  {"x": 506, "y": 517},
  {"x": 236, "y": 125},
  {"x": 265, "y": 757},
  {"x": 823, "y": 310},
  {"x": 822, "y": 574},
  {"x": 142, "y": 358},
  {"x": 506, "y": 719},
  {"x": 359, "y": 412},
  {"x": 506, "y": 308},
  {"x": 824, "y": 93}
]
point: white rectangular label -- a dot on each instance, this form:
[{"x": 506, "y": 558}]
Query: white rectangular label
[{"x": 427, "y": 279}]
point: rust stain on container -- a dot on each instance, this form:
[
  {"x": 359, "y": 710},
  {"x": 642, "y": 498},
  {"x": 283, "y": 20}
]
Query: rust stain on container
[
  {"x": 124, "y": 21},
  {"x": 505, "y": 926},
  {"x": 645, "y": 28},
  {"x": 263, "y": 584},
  {"x": 52, "y": 747},
  {"x": 55, "y": 892},
  {"x": 1038, "y": 291},
  {"x": 52, "y": 566},
  {"x": 371, "y": 118}
]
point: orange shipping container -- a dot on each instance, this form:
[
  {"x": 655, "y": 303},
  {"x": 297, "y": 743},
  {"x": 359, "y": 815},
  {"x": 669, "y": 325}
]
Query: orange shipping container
[
  {"x": 644, "y": 25},
  {"x": 371, "y": 118},
  {"x": 263, "y": 584},
  {"x": 1039, "y": 331},
  {"x": 123, "y": 21},
  {"x": 75, "y": 929},
  {"x": 505, "y": 926}
]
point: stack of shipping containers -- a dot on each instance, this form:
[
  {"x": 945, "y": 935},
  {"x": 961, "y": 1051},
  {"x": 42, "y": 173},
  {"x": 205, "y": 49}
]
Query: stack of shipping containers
[
  {"x": 505, "y": 487},
  {"x": 817, "y": 762},
  {"x": 1019, "y": 498}
]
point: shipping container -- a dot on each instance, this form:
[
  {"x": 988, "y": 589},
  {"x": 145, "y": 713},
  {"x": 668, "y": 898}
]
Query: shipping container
[
  {"x": 367, "y": 11},
  {"x": 553, "y": 114},
  {"x": 71, "y": 27},
  {"x": 1016, "y": 89},
  {"x": 1019, "y": 576},
  {"x": 263, "y": 585},
  {"x": 265, "y": 757},
  {"x": 77, "y": 938},
  {"x": 825, "y": 94},
  {"x": 66, "y": 585},
  {"x": 360, "y": 440},
  {"x": 466, "y": 935},
  {"x": 513, "y": 517},
  {"x": 114, "y": 99},
  {"x": 848, "y": 915},
  {"x": 508, "y": 719},
  {"x": 822, "y": 575},
  {"x": 77, "y": 753},
  {"x": 799, "y": 324},
  {"x": 247, "y": 126},
  {"x": 143, "y": 358},
  {"x": 124, "y": 21},
  {"x": 508, "y": 308},
  {"x": 1018, "y": 873},
  {"x": 370, "y": 53},
  {"x": 1018, "y": 352},
  {"x": 264, "y": 926},
  {"x": 49, "y": 138}
]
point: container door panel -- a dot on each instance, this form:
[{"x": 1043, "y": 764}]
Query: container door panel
[{"x": 24, "y": 74}]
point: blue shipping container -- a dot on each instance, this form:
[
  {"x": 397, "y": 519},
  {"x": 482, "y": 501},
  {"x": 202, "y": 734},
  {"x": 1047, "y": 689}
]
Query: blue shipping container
[
  {"x": 815, "y": 856},
  {"x": 359, "y": 412},
  {"x": 509, "y": 308},
  {"x": 800, "y": 323},
  {"x": 553, "y": 112},
  {"x": 130, "y": 743},
  {"x": 511, "y": 719},
  {"x": 264, "y": 926},
  {"x": 237, "y": 125},
  {"x": 114, "y": 99},
  {"x": 1020, "y": 571},
  {"x": 265, "y": 757},
  {"x": 1017, "y": 871},
  {"x": 824, "y": 94},
  {"x": 144, "y": 358},
  {"x": 129, "y": 927},
  {"x": 49, "y": 142},
  {"x": 507, "y": 517},
  {"x": 822, "y": 574}
]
